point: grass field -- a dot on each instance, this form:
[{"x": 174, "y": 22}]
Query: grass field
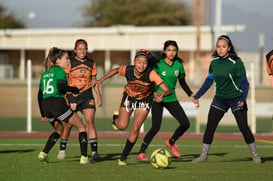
[
  {"x": 264, "y": 125},
  {"x": 228, "y": 160}
]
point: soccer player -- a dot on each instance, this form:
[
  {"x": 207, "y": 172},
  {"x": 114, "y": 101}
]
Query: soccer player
[
  {"x": 136, "y": 97},
  {"x": 170, "y": 69},
  {"x": 269, "y": 65},
  {"x": 81, "y": 74},
  {"x": 228, "y": 72},
  {"x": 53, "y": 106}
]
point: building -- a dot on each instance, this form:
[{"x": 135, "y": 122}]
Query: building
[{"x": 107, "y": 46}]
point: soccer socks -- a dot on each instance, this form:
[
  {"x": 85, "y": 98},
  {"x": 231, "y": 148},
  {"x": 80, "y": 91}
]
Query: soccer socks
[
  {"x": 143, "y": 147},
  {"x": 94, "y": 144},
  {"x": 63, "y": 144},
  {"x": 252, "y": 147},
  {"x": 52, "y": 139},
  {"x": 127, "y": 149},
  {"x": 205, "y": 150},
  {"x": 83, "y": 143},
  {"x": 172, "y": 142}
]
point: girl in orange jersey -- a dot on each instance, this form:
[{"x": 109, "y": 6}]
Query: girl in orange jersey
[
  {"x": 269, "y": 65},
  {"x": 81, "y": 74},
  {"x": 136, "y": 97}
]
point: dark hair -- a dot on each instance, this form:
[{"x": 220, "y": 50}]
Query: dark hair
[
  {"x": 173, "y": 43},
  {"x": 79, "y": 41},
  {"x": 54, "y": 54},
  {"x": 232, "y": 49},
  {"x": 152, "y": 61}
]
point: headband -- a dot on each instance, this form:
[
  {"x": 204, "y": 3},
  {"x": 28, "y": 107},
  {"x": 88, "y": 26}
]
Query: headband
[{"x": 224, "y": 38}]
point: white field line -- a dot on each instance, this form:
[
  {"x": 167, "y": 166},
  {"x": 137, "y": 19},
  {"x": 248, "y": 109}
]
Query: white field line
[{"x": 151, "y": 145}]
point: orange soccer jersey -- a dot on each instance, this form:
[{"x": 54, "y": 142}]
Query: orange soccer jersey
[
  {"x": 142, "y": 87},
  {"x": 269, "y": 62},
  {"x": 80, "y": 74}
]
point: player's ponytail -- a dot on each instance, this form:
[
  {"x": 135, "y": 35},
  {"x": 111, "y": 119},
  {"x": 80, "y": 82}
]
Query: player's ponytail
[{"x": 53, "y": 54}]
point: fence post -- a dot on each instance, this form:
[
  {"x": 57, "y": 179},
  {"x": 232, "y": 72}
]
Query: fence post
[
  {"x": 29, "y": 99},
  {"x": 252, "y": 98}
]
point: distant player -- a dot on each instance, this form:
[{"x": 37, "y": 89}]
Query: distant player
[{"x": 269, "y": 65}]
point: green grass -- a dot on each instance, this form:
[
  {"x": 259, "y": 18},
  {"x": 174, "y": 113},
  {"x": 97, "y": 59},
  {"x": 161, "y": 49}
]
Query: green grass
[
  {"x": 228, "y": 160},
  {"x": 103, "y": 124}
]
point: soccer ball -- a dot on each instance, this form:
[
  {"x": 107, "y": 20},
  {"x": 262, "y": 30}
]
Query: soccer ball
[{"x": 160, "y": 158}]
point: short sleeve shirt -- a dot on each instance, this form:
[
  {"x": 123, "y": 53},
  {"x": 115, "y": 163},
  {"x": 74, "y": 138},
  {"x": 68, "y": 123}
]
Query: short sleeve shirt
[{"x": 49, "y": 80}]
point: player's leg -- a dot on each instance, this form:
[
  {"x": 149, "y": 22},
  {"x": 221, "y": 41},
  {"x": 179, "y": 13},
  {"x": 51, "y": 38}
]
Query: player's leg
[
  {"x": 179, "y": 114},
  {"x": 52, "y": 139},
  {"x": 123, "y": 118},
  {"x": 139, "y": 117},
  {"x": 241, "y": 119},
  {"x": 75, "y": 121},
  {"x": 214, "y": 117},
  {"x": 157, "y": 111},
  {"x": 89, "y": 116},
  {"x": 63, "y": 141}
]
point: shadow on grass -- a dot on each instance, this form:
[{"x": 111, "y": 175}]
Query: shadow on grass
[
  {"x": 190, "y": 157},
  {"x": 17, "y": 151}
]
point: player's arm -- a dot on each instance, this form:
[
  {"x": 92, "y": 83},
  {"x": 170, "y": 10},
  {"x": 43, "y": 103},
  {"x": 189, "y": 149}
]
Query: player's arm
[
  {"x": 185, "y": 86},
  {"x": 154, "y": 77},
  {"x": 107, "y": 76},
  {"x": 40, "y": 102},
  {"x": 97, "y": 90},
  {"x": 63, "y": 87}
]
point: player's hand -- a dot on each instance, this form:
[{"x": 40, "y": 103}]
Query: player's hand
[
  {"x": 158, "y": 97},
  {"x": 99, "y": 101},
  {"x": 240, "y": 103},
  {"x": 96, "y": 83},
  {"x": 44, "y": 118},
  {"x": 196, "y": 102}
]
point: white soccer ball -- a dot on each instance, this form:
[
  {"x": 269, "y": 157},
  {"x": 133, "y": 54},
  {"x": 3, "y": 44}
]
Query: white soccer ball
[{"x": 160, "y": 158}]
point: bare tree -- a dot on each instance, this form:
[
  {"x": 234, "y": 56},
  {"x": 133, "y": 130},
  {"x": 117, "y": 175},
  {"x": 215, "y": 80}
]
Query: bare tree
[{"x": 136, "y": 12}]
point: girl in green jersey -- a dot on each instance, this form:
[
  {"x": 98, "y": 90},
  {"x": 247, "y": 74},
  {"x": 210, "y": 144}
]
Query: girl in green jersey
[
  {"x": 53, "y": 106},
  {"x": 171, "y": 70},
  {"x": 228, "y": 71}
]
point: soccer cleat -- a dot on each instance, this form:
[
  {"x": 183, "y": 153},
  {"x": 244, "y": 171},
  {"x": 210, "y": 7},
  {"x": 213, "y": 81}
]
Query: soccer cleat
[
  {"x": 199, "y": 159},
  {"x": 142, "y": 157},
  {"x": 115, "y": 116},
  {"x": 61, "y": 155},
  {"x": 256, "y": 159},
  {"x": 84, "y": 160},
  {"x": 95, "y": 156},
  {"x": 173, "y": 148},
  {"x": 43, "y": 157},
  {"x": 122, "y": 162}
]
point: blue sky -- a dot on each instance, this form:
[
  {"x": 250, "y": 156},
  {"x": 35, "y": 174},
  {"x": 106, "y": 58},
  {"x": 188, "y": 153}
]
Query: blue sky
[{"x": 257, "y": 15}]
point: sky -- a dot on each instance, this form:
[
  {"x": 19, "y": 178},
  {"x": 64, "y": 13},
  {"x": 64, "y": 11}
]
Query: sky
[{"x": 256, "y": 15}]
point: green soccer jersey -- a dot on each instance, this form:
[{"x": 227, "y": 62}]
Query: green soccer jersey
[
  {"x": 49, "y": 80},
  {"x": 226, "y": 74},
  {"x": 169, "y": 75}
]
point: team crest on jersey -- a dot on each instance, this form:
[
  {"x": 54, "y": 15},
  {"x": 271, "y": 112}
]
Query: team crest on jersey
[{"x": 176, "y": 72}]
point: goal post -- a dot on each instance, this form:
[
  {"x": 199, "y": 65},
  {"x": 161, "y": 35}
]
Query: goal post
[{"x": 29, "y": 98}]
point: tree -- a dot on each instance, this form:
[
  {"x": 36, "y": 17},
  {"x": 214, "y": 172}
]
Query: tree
[
  {"x": 8, "y": 19},
  {"x": 136, "y": 12}
]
